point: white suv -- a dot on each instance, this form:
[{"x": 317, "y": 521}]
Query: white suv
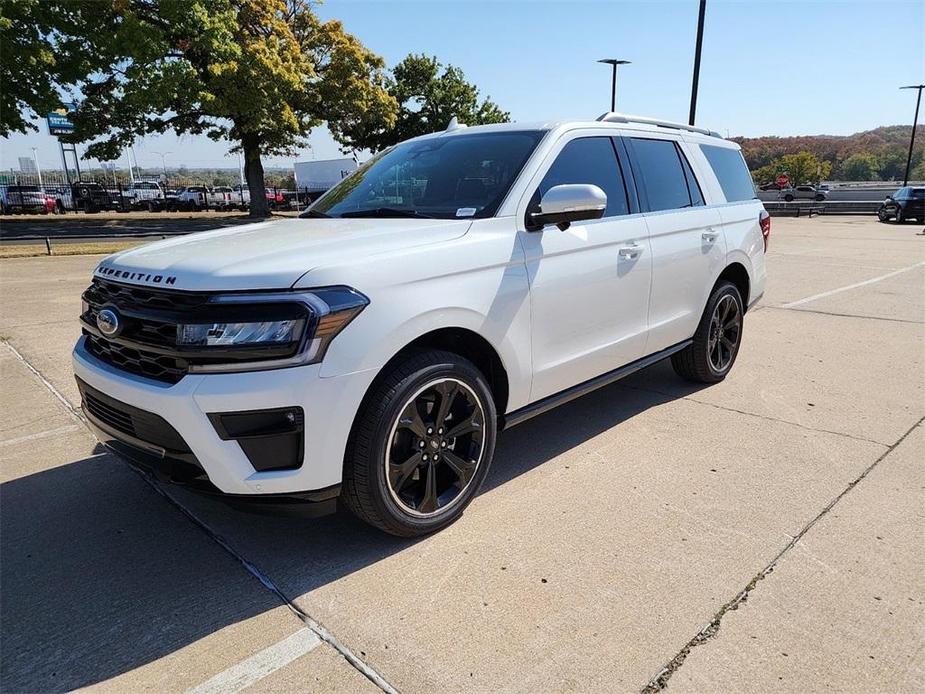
[{"x": 457, "y": 284}]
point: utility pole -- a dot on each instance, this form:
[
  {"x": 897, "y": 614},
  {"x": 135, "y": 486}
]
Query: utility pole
[
  {"x": 697, "y": 51},
  {"x": 38, "y": 168},
  {"x": 613, "y": 81},
  {"x": 915, "y": 122},
  {"x": 163, "y": 156}
]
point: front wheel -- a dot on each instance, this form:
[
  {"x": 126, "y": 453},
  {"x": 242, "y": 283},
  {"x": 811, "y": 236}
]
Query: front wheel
[
  {"x": 883, "y": 215},
  {"x": 788, "y": 198},
  {"x": 421, "y": 445},
  {"x": 709, "y": 358}
]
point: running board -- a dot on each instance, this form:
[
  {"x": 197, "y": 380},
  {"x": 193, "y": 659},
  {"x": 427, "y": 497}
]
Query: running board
[{"x": 569, "y": 394}]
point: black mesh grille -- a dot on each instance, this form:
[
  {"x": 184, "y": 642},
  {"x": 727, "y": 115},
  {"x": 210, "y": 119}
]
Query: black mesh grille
[{"x": 150, "y": 364}]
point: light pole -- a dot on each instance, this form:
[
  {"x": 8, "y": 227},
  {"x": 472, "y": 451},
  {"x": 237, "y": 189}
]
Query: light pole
[
  {"x": 613, "y": 82},
  {"x": 697, "y": 50},
  {"x": 915, "y": 122},
  {"x": 38, "y": 169},
  {"x": 163, "y": 156}
]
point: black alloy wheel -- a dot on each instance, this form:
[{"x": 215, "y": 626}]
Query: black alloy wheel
[
  {"x": 435, "y": 446},
  {"x": 421, "y": 444},
  {"x": 725, "y": 330}
]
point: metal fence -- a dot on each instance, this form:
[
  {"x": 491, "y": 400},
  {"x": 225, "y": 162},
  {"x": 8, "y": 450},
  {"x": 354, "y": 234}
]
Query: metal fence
[{"x": 53, "y": 194}]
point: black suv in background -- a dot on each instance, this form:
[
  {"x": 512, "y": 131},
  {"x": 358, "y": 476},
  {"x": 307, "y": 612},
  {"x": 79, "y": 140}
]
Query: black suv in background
[{"x": 906, "y": 203}]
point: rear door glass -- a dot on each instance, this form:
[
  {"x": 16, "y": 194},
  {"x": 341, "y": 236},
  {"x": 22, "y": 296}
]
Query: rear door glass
[{"x": 733, "y": 176}]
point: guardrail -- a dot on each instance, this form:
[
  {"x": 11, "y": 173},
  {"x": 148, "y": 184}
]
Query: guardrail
[{"x": 798, "y": 208}]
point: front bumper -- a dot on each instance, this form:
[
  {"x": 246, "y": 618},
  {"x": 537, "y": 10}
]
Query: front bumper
[{"x": 329, "y": 404}]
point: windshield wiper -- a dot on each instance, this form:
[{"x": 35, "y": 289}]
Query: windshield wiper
[
  {"x": 386, "y": 212},
  {"x": 313, "y": 213}
]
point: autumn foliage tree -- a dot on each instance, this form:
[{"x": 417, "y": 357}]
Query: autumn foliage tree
[{"x": 259, "y": 73}]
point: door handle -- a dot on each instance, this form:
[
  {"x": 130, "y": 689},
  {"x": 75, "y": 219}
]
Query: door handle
[
  {"x": 710, "y": 235},
  {"x": 630, "y": 252}
]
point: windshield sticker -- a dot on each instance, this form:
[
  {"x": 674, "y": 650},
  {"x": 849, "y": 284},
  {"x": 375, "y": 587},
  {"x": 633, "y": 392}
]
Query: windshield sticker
[{"x": 466, "y": 211}]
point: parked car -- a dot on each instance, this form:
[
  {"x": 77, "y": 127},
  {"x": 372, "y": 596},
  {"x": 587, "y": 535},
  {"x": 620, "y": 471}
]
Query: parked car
[
  {"x": 22, "y": 199},
  {"x": 242, "y": 195},
  {"x": 144, "y": 195},
  {"x": 88, "y": 196},
  {"x": 370, "y": 351},
  {"x": 192, "y": 198},
  {"x": 906, "y": 203},
  {"x": 222, "y": 197},
  {"x": 803, "y": 193}
]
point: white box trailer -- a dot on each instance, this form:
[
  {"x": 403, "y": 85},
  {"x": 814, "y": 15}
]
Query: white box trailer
[{"x": 315, "y": 177}]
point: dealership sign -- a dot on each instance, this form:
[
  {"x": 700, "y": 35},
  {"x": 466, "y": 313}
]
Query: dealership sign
[{"x": 59, "y": 122}]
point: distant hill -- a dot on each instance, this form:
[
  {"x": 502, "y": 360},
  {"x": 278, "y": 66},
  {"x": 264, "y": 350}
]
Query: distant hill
[{"x": 884, "y": 149}]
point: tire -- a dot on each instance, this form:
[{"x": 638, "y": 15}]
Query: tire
[
  {"x": 399, "y": 499},
  {"x": 883, "y": 215},
  {"x": 820, "y": 198},
  {"x": 788, "y": 198},
  {"x": 899, "y": 215},
  {"x": 708, "y": 359}
]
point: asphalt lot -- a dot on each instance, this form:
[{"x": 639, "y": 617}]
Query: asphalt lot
[{"x": 763, "y": 534}]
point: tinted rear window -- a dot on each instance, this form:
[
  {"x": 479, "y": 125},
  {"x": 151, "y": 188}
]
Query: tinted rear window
[
  {"x": 730, "y": 170},
  {"x": 662, "y": 175}
]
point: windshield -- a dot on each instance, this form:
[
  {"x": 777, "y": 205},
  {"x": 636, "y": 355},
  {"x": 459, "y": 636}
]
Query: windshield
[{"x": 460, "y": 176}]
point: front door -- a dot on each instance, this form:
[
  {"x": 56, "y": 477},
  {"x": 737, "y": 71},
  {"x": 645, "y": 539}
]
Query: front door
[{"x": 589, "y": 284}]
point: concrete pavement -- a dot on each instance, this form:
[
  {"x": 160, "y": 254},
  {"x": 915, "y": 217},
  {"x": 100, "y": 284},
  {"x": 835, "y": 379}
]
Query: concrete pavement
[{"x": 651, "y": 534}]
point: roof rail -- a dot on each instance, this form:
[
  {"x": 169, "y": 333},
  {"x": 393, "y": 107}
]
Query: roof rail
[{"x": 614, "y": 117}]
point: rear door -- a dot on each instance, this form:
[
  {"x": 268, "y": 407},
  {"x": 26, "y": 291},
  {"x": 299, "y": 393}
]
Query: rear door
[
  {"x": 589, "y": 284},
  {"x": 688, "y": 248}
]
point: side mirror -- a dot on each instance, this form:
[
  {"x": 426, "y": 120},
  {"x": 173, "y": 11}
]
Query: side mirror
[{"x": 562, "y": 205}]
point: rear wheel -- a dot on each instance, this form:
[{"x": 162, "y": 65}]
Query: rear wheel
[
  {"x": 788, "y": 198},
  {"x": 900, "y": 218},
  {"x": 716, "y": 343},
  {"x": 421, "y": 446}
]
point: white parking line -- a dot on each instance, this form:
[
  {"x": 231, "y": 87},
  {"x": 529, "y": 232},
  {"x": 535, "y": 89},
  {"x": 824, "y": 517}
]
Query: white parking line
[
  {"x": 40, "y": 435},
  {"x": 261, "y": 664},
  {"x": 800, "y": 302}
]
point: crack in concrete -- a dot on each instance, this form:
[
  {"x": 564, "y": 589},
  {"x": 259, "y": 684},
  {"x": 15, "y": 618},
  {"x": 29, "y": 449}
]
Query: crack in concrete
[
  {"x": 765, "y": 417},
  {"x": 315, "y": 626},
  {"x": 847, "y": 315},
  {"x": 661, "y": 679}
]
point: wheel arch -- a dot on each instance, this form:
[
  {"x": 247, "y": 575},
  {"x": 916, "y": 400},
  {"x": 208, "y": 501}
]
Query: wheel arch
[{"x": 737, "y": 273}]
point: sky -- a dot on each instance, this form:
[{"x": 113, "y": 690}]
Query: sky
[{"x": 768, "y": 68}]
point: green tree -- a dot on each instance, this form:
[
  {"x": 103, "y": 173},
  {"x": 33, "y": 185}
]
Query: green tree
[
  {"x": 860, "y": 167},
  {"x": 892, "y": 164},
  {"x": 260, "y": 73},
  {"x": 429, "y": 95},
  {"x": 36, "y": 62}
]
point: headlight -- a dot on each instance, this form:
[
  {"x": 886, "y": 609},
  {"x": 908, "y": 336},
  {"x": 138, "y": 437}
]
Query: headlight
[
  {"x": 259, "y": 331},
  {"x": 228, "y": 334}
]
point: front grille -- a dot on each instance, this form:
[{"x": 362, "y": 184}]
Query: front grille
[
  {"x": 159, "y": 367},
  {"x": 149, "y": 329}
]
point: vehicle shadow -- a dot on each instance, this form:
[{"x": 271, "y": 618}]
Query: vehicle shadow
[{"x": 100, "y": 576}]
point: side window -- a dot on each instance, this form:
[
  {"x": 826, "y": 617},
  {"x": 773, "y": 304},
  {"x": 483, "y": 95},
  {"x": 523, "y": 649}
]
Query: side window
[
  {"x": 662, "y": 174},
  {"x": 733, "y": 176},
  {"x": 589, "y": 160},
  {"x": 692, "y": 185}
]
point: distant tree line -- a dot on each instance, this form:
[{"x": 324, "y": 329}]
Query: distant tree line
[{"x": 873, "y": 155}]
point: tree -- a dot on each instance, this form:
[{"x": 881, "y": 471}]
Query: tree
[
  {"x": 260, "y": 73},
  {"x": 860, "y": 167},
  {"x": 429, "y": 95},
  {"x": 34, "y": 67}
]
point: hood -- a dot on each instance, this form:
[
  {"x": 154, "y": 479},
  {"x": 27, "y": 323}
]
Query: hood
[{"x": 268, "y": 255}]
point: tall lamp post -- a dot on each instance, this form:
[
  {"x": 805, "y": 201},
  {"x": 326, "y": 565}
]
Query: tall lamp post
[
  {"x": 696, "y": 81},
  {"x": 163, "y": 156},
  {"x": 915, "y": 122},
  {"x": 613, "y": 82},
  {"x": 38, "y": 169}
]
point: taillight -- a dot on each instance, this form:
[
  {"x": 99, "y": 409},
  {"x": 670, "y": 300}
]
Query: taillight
[{"x": 764, "y": 220}]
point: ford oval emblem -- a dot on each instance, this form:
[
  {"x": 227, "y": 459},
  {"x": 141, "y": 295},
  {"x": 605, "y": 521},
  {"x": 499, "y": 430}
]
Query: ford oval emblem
[{"x": 107, "y": 321}]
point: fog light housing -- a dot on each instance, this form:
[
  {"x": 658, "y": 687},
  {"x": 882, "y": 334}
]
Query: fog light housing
[{"x": 271, "y": 439}]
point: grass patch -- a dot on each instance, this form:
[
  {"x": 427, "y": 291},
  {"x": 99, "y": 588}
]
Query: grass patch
[{"x": 30, "y": 250}]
